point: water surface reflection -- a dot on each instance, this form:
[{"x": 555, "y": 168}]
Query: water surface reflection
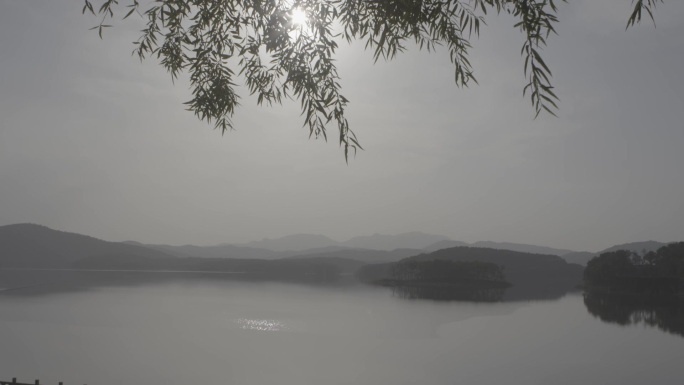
[
  {"x": 663, "y": 312},
  {"x": 449, "y": 294},
  {"x": 160, "y": 329}
]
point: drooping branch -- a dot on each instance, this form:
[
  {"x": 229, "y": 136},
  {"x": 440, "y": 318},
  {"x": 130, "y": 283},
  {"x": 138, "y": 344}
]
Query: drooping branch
[{"x": 218, "y": 41}]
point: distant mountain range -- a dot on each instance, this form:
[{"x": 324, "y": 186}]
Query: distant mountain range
[
  {"x": 295, "y": 242},
  {"x": 363, "y": 255},
  {"x": 523, "y": 248},
  {"x": 302, "y": 242},
  {"x": 535, "y": 272},
  {"x": 218, "y": 251},
  {"x": 421, "y": 242},
  {"x": 35, "y": 246},
  {"x": 412, "y": 240},
  {"x": 38, "y": 247},
  {"x": 31, "y": 246},
  {"x": 637, "y": 247}
]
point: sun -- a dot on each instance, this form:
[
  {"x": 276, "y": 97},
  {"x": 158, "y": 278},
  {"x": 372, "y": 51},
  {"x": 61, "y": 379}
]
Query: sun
[{"x": 299, "y": 17}]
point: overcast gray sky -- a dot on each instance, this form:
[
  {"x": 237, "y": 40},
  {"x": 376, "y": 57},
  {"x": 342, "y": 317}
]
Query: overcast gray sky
[{"x": 93, "y": 141}]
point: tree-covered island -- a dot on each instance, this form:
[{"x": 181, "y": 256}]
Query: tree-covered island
[{"x": 659, "y": 272}]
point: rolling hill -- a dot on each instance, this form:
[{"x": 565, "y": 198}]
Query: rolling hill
[
  {"x": 36, "y": 246},
  {"x": 533, "y": 276}
]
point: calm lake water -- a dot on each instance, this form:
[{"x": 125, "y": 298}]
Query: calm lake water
[{"x": 134, "y": 328}]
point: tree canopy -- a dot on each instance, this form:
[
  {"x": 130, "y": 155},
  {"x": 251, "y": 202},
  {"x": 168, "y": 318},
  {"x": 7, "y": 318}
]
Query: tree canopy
[
  {"x": 284, "y": 49},
  {"x": 652, "y": 271}
]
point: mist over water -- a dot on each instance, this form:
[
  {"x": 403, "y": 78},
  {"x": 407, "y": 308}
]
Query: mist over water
[
  {"x": 177, "y": 329},
  {"x": 138, "y": 246}
]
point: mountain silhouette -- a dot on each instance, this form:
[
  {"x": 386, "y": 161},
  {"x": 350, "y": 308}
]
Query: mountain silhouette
[
  {"x": 412, "y": 240},
  {"x": 521, "y": 247},
  {"x": 444, "y": 244},
  {"x": 217, "y": 251},
  {"x": 302, "y": 242},
  {"x": 39, "y": 247},
  {"x": 35, "y": 246},
  {"x": 637, "y": 247},
  {"x": 363, "y": 255},
  {"x": 294, "y": 242}
]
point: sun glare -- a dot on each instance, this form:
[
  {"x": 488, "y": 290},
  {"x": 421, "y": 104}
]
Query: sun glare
[{"x": 299, "y": 17}]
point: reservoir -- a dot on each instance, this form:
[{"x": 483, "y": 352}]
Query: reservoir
[{"x": 110, "y": 328}]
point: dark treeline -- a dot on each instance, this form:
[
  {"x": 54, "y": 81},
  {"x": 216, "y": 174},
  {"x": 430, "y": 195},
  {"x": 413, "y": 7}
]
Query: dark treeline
[
  {"x": 659, "y": 272},
  {"x": 440, "y": 280},
  {"x": 463, "y": 272},
  {"x": 441, "y": 271}
]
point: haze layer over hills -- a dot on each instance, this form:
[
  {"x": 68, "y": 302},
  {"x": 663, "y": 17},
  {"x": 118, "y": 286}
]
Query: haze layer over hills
[
  {"x": 30, "y": 246},
  {"x": 300, "y": 242},
  {"x": 534, "y": 272}
]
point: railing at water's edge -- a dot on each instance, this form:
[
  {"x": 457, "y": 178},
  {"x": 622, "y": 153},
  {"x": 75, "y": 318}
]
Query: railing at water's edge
[{"x": 14, "y": 382}]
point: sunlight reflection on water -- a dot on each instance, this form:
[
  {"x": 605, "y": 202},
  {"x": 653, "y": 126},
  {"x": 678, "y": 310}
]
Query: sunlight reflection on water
[{"x": 261, "y": 324}]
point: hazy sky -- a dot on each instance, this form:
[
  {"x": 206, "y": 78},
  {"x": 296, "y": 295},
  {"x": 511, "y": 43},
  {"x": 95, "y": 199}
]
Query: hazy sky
[{"x": 93, "y": 141}]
